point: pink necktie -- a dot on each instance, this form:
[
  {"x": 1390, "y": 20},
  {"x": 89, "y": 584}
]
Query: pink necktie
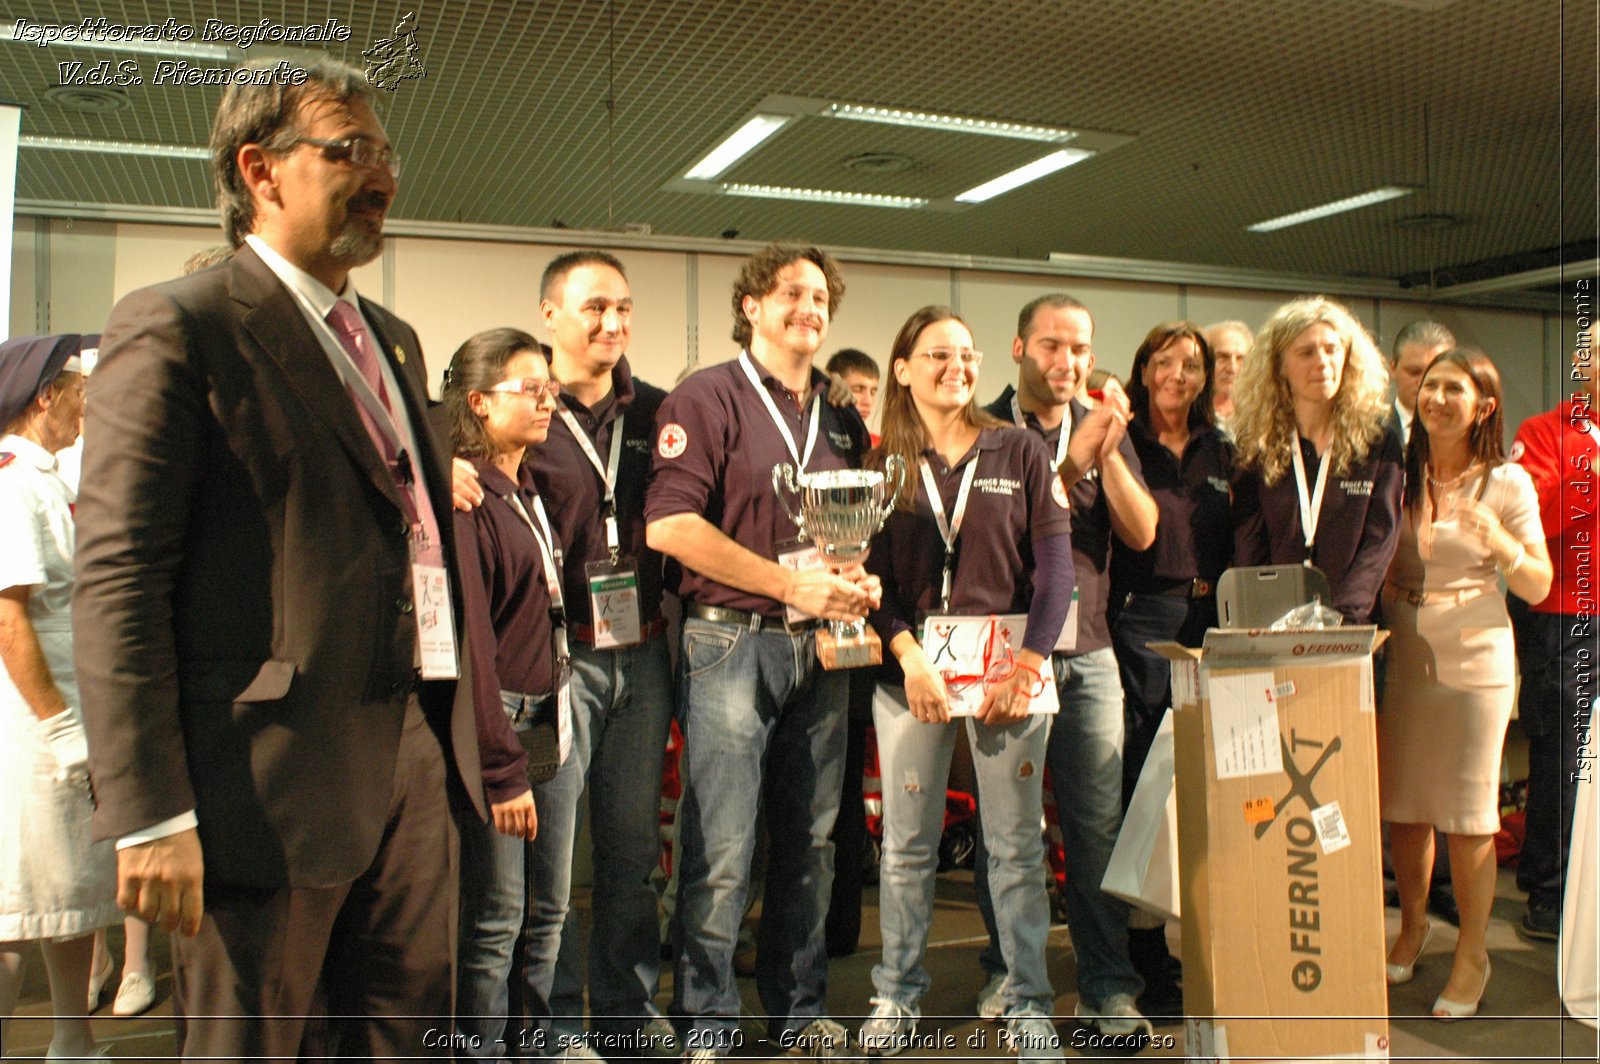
[{"x": 354, "y": 338}]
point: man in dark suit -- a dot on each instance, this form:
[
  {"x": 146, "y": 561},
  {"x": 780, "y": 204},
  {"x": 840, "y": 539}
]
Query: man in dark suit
[{"x": 266, "y": 609}]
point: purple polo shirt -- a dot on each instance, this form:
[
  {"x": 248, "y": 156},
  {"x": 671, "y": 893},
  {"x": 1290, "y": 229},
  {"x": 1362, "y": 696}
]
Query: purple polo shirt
[
  {"x": 1357, "y": 532},
  {"x": 716, "y": 446},
  {"x": 507, "y": 618},
  {"x": 572, "y": 491},
  {"x": 1012, "y": 504},
  {"x": 1091, "y": 526},
  {"x": 1194, "y": 535}
]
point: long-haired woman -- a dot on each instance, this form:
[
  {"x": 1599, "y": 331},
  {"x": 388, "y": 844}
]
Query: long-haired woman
[
  {"x": 499, "y": 398},
  {"x": 1320, "y": 467},
  {"x": 1471, "y": 518},
  {"x": 981, "y": 529}
]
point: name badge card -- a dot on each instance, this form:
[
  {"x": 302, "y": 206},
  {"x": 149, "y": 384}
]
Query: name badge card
[
  {"x": 563, "y": 708},
  {"x": 436, "y": 636},
  {"x": 964, "y": 650},
  {"x": 614, "y": 603},
  {"x": 798, "y": 555}
]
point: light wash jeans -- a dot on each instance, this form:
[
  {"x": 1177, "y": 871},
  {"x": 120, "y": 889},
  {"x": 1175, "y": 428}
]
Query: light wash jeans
[
  {"x": 1085, "y": 759},
  {"x": 764, "y": 730},
  {"x": 493, "y": 897},
  {"x": 914, "y": 763},
  {"x": 621, "y": 712}
]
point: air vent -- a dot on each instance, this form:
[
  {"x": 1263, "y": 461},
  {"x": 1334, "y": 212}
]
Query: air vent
[
  {"x": 879, "y": 162},
  {"x": 1427, "y": 221},
  {"x": 87, "y": 99}
]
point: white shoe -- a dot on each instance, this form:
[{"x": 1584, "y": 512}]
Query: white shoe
[
  {"x": 136, "y": 994},
  {"x": 888, "y": 1029},
  {"x": 992, "y": 998},
  {"x": 97, "y": 983},
  {"x": 821, "y": 1039},
  {"x": 1117, "y": 1016},
  {"x": 579, "y": 1051},
  {"x": 1031, "y": 1035}
]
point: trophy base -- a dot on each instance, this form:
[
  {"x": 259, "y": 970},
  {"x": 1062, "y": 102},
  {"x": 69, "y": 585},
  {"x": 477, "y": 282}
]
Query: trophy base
[{"x": 848, "y": 652}]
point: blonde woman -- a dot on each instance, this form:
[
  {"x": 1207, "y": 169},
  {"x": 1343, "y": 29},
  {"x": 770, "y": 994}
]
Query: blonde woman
[{"x": 1320, "y": 468}]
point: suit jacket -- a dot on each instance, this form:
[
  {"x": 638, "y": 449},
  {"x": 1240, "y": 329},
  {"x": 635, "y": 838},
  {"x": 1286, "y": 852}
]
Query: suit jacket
[{"x": 243, "y": 615}]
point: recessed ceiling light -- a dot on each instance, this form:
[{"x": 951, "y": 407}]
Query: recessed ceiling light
[
  {"x": 1349, "y": 203},
  {"x": 114, "y": 147},
  {"x": 896, "y": 116},
  {"x": 740, "y": 142},
  {"x": 1056, "y": 160},
  {"x": 87, "y": 99},
  {"x": 824, "y": 195}
]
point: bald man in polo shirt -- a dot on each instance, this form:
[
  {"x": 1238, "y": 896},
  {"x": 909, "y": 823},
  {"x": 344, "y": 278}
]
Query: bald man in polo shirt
[{"x": 764, "y": 724}]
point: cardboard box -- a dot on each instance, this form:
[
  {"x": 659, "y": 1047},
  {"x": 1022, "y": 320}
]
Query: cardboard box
[{"x": 1279, "y": 852}]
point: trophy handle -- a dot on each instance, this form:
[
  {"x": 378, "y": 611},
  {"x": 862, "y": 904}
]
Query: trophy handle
[
  {"x": 894, "y": 478},
  {"x": 783, "y": 478}
]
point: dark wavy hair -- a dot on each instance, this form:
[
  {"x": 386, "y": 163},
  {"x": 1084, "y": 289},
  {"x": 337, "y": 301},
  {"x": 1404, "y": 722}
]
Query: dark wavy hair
[
  {"x": 1486, "y": 440},
  {"x": 1201, "y": 414},
  {"x": 903, "y": 433},
  {"x": 759, "y": 275},
  {"x": 478, "y": 365}
]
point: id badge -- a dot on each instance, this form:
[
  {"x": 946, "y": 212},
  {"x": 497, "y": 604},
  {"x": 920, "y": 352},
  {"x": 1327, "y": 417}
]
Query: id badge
[
  {"x": 436, "y": 637},
  {"x": 1069, "y": 631},
  {"x": 614, "y": 603},
  {"x": 563, "y": 698},
  {"x": 798, "y": 555}
]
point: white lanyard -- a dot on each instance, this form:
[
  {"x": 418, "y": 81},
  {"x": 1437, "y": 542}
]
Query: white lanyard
[
  {"x": 949, "y": 528},
  {"x": 1310, "y": 502},
  {"x": 608, "y": 472},
  {"x": 1066, "y": 428},
  {"x": 546, "y": 541},
  {"x": 746, "y": 363}
]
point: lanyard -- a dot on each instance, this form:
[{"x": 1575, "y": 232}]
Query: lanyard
[
  {"x": 1066, "y": 428},
  {"x": 949, "y": 528},
  {"x": 546, "y": 540},
  {"x": 608, "y": 472},
  {"x": 746, "y": 363},
  {"x": 1310, "y": 502}
]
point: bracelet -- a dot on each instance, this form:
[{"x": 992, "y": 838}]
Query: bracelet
[{"x": 1516, "y": 561}]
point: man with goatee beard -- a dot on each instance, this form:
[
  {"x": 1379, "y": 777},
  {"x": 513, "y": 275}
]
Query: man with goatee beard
[{"x": 273, "y": 683}]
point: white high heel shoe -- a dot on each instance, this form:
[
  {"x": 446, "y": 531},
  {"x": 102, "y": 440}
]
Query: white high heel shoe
[{"x": 1399, "y": 974}]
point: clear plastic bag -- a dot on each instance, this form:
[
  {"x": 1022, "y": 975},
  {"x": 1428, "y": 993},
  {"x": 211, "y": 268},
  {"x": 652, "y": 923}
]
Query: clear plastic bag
[{"x": 1311, "y": 615}]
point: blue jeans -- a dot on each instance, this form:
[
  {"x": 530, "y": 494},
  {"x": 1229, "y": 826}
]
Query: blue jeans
[
  {"x": 1085, "y": 759},
  {"x": 621, "y": 711},
  {"x": 764, "y": 729},
  {"x": 493, "y": 895},
  {"x": 1146, "y": 675},
  {"x": 914, "y": 764}
]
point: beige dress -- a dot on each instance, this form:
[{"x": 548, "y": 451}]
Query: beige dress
[{"x": 1452, "y": 663}]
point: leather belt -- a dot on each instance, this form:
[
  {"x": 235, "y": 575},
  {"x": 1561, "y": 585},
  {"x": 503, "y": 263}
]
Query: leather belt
[
  {"x": 756, "y": 622},
  {"x": 1196, "y": 588},
  {"x": 1433, "y": 598},
  {"x": 584, "y": 633}
]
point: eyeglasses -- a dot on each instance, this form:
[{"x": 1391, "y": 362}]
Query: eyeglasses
[
  {"x": 532, "y": 387},
  {"x": 941, "y": 356},
  {"x": 358, "y": 151}
]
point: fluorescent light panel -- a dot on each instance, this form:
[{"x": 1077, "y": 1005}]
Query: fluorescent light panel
[
  {"x": 1349, "y": 203},
  {"x": 894, "y": 116},
  {"x": 823, "y": 195},
  {"x": 1022, "y": 175},
  {"x": 742, "y": 142},
  {"x": 165, "y": 49},
  {"x": 114, "y": 147}
]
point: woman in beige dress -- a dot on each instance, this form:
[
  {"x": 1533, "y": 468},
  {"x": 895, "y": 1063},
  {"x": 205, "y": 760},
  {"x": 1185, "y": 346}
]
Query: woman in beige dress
[{"x": 1470, "y": 517}]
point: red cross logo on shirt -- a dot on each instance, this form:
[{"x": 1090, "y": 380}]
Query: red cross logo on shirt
[{"x": 672, "y": 441}]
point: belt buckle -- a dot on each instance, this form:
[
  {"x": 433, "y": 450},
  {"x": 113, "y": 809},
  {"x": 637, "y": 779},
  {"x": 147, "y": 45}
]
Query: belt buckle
[{"x": 1199, "y": 588}]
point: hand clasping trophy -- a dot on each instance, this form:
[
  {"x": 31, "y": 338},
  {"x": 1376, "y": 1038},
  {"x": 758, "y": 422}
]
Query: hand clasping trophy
[{"x": 840, "y": 511}]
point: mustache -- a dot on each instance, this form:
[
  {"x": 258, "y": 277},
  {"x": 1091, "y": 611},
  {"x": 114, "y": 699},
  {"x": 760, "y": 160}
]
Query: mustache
[{"x": 368, "y": 201}]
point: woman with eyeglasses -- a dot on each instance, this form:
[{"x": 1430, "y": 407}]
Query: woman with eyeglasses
[
  {"x": 980, "y": 530},
  {"x": 1320, "y": 466},
  {"x": 499, "y": 398},
  {"x": 1471, "y": 518}
]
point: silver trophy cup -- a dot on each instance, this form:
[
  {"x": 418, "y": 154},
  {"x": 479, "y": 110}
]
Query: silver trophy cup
[{"x": 840, "y": 511}]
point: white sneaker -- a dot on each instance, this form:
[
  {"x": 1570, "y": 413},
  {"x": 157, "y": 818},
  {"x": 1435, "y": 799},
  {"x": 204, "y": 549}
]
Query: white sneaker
[
  {"x": 1031, "y": 1035},
  {"x": 1117, "y": 1016},
  {"x": 888, "y": 1029},
  {"x": 658, "y": 1039},
  {"x": 579, "y": 1051},
  {"x": 821, "y": 1039},
  {"x": 700, "y": 1056},
  {"x": 992, "y": 998}
]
